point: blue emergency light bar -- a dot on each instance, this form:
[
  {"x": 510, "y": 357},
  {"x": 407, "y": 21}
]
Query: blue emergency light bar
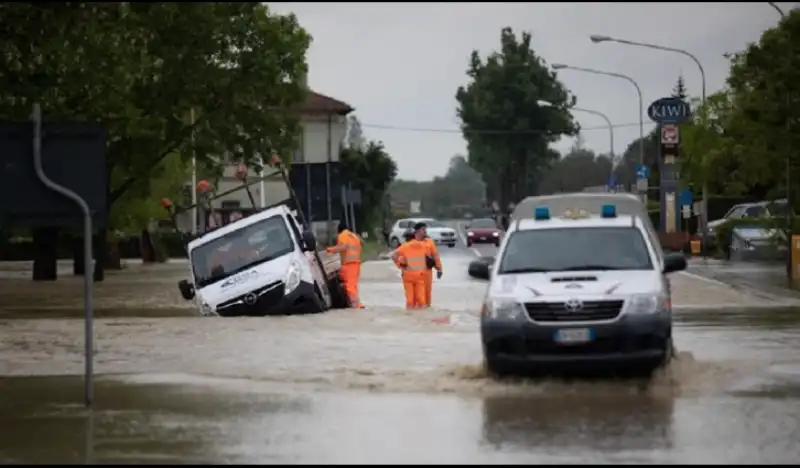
[
  {"x": 608, "y": 211},
  {"x": 541, "y": 213}
]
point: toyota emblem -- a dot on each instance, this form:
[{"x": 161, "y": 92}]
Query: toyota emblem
[
  {"x": 573, "y": 305},
  {"x": 250, "y": 299}
]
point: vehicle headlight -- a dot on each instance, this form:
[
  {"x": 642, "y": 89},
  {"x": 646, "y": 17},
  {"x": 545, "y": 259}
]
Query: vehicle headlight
[
  {"x": 648, "y": 304},
  {"x": 470, "y": 233},
  {"x": 502, "y": 309},
  {"x": 293, "y": 277},
  {"x": 207, "y": 310},
  {"x": 495, "y": 234}
]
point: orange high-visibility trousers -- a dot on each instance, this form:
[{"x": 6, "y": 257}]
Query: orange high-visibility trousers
[
  {"x": 428, "y": 286},
  {"x": 349, "y": 274},
  {"x": 414, "y": 286}
]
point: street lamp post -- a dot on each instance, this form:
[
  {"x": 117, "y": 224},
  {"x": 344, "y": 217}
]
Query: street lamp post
[
  {"x": 599, "y": 114},
  {"x": 789, "y": 205},
  {"x": 598, "y": 39},
  {"x": 560, "y": 66}
]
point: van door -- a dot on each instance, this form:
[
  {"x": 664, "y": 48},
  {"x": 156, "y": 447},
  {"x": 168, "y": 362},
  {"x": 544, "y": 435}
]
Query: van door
[{"x": 317, "y": 270}]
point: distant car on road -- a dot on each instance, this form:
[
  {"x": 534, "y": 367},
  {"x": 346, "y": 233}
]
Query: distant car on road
[
  {"x": 483, "y": 230},
  {"x": 437, "y": 230}
]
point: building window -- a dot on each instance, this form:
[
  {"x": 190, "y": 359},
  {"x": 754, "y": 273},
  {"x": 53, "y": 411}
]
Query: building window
[
  {"x": 230, "y": 204},
  {"x": 299, "y": 152}
]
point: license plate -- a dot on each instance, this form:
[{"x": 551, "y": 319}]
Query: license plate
[
  {"x": 573, "y": 335},
  {"x": 483, "y": 238}
]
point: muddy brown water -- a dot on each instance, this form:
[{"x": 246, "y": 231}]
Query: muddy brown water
[{"x": 373, "y": 386}]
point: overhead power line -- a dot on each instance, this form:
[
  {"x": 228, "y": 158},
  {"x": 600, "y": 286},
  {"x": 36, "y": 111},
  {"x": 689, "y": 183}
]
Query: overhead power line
[{"x": 497, "y": 132}]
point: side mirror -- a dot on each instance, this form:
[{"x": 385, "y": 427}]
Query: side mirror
[
  {"x": 187, "y": 289},
  {"x": 674, "y": 262},
  {"x": 310, "y": 241}
]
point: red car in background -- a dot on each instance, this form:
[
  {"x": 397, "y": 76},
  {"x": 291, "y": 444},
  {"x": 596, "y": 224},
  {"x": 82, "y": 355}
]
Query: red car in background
[{"x": 483, "y": 230}]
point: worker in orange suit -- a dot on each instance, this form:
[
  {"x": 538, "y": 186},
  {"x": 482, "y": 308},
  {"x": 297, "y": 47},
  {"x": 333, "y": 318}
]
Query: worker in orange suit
[
  {"x": 410, "y": 258},
  {"x": 432, "y": 261},
  {"x": 348, "y": 246}
]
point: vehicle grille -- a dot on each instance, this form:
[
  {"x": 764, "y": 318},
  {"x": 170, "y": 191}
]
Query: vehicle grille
[
  {"x": 448, "y": 234},
  {"x": 267, "y": 297},
  {"x": 557, "y": 312}
]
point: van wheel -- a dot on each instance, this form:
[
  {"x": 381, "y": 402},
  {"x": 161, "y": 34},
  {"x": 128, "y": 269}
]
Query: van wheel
[
  {"x": 338, "y": 296},
  {"x": 318, "y": 302}
]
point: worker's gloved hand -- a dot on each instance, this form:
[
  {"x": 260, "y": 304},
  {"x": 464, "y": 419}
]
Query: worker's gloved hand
[{"x": 438, "y": 274}]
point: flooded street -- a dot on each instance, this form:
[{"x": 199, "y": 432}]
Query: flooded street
[{"x": 380, "y": 385}]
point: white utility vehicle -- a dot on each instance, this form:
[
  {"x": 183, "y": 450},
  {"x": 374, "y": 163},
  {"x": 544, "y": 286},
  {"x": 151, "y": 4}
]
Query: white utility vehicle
[
  {"x": 576, "y": 290},
  {"x": 262, "y": 264}
]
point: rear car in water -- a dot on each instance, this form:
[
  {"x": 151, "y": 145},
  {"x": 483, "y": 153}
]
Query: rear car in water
[
  {"x": 483, "y": 231},
  {"x": 578, "y": 292}
]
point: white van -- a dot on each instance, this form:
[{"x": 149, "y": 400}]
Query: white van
[{"x": 263, "y": 264}]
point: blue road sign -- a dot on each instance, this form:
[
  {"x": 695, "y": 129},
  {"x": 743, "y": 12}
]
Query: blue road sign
[
  {"x": 685, "y": 197},
  {"x": 642, "y": 171},
  {"x": 669, "y": 110},
  {"x": 612, "y": 183}
]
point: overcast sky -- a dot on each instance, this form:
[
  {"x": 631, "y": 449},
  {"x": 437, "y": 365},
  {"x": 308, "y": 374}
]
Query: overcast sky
[{"x": 399, "y": 64}]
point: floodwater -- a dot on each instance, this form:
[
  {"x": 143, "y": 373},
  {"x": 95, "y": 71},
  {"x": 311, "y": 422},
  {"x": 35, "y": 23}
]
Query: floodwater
[{"x": 372, "y": 386}]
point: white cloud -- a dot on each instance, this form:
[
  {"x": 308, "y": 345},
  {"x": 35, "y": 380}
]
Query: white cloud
[{"x": 399, "y": 64}]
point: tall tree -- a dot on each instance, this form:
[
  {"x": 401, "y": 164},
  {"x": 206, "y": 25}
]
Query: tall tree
[
  {"x": 143, "y": 68},
  {"x": 371, "y": 170},
  {"x": 679, "y": 91},
  {"x": 355, "y": 134},
  {"x": 507, "y": 130}
]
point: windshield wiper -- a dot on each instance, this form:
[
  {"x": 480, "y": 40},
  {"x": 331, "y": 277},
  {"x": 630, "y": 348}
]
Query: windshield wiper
[
  {"x": 527, "y": 270},
  {"x": 590, "y": 267}
]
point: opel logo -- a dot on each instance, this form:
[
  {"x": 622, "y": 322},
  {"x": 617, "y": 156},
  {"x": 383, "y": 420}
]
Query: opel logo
[
  {"x": 573, "y": 305},
  {"x": 250, "y": 299}
]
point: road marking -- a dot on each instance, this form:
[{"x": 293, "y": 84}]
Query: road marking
[
  {"x": 461, "y": 234},
  {"x": 477, "y": 252},
  {"x": 707, "y": 280}
]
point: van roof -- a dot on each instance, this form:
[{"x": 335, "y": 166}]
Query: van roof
[
  {"x": 626, "y": 203},
  {"x": 236, "y": 225}
]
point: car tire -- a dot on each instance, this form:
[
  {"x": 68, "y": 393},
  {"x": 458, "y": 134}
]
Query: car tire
[
  {"x": 338, "y": 296},
  {"x": 318, "y": 302},
  {"x": 469, "y": 244},
  {"x": 394, "y": 242},
  {"x": 451, "y": 245},
  {"x": 495, "y": 367}
]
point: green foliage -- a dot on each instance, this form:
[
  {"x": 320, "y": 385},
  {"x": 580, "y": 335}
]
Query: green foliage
[
  {"x": 507, "y": 131},
  {"x": 371, "y": 170},
  {"x": 143, "y": 68},
  {"x": 578, "y": 169},
  {"x": 679, "y": 91},
  {"x": 740, "y": 141},
  {"x": 459, "y": 192}
]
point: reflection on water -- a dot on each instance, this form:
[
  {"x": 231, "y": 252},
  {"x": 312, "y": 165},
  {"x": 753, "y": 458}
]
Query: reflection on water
[{"x": 569, "y": 423}]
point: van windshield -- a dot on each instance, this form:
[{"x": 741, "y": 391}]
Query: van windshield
[
  {"x": 239, "y": 250},
  {"x": 575, "y": 249}
]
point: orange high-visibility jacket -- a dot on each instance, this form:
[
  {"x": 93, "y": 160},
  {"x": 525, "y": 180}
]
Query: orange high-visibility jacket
[
  {"x": 348, "y": 244},
  {"x": 433, "y": 252},
  {"x": 410, "y": 256}
]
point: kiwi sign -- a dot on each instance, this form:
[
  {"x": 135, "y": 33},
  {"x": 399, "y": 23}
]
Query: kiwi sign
[{"x": 669, "y": 110}]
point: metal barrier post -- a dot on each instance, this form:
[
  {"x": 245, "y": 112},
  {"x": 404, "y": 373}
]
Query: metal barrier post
[{"x": 87, "y": 252}]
